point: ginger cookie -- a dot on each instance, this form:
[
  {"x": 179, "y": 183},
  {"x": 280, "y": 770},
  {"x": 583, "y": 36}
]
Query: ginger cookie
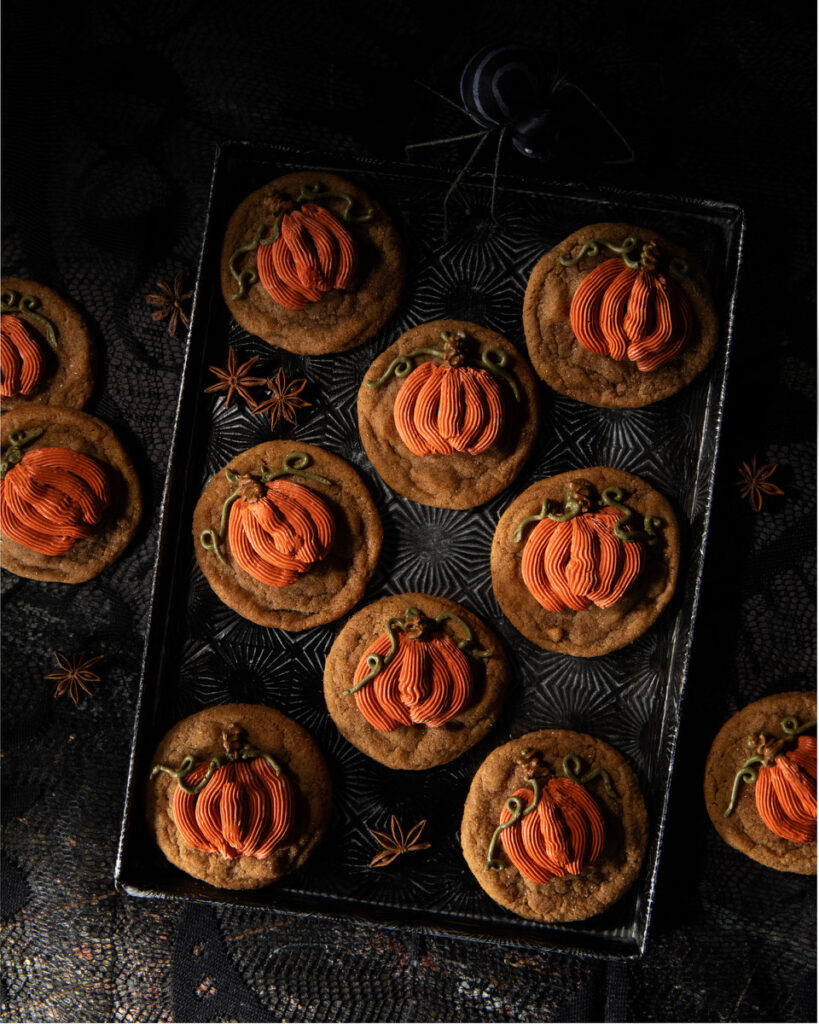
[
  {"x": 618, "y": 317},
  {"x": 448, "y": 414},
  {"x": 414, "y": 680},
  {"x": 555, "y": 826},
  {"x": 584, "y": 562},
  {"x": 48, "y": 354},
  {"x": 70, "y": 499},
  {"x": 760, "y": 782},
  {"x": 239, "y": 795},
  {"x": 287, "y": 535},
  {"x": 311, "y": 263}
]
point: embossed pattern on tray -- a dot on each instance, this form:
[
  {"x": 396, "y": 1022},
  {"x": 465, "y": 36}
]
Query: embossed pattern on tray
[{"x": 201, "y": 653}]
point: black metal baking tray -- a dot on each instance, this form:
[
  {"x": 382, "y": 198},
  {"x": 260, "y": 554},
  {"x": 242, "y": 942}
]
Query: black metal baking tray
[{"x": 199, "y": 653}]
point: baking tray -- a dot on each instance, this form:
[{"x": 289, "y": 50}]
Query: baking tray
[{"x": 199, "y": 653}]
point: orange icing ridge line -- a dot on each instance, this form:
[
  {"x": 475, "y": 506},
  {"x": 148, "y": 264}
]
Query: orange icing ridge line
[
  {"x": 22, "y": 358},
  {"x": 52, "y": 498},
  {"x": 639, "y": 315},
  {"x": 282, "y": 534},
  {"x": 428, "y": 682},
  {"x": 785, "y": 793}
]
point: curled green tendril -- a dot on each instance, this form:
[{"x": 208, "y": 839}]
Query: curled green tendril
[
  {"x": 245, "y": 278},
  {"x": 12, "y": 454},
  {"x": 592, "y": 248},
  {"x": 613, "y": 498},
  {"x": 545, "y": 509},
  {"x": 571, "y": 507},
  {"x": 494, "y": 360},
  {"x": 292, "y": 465},
  {"x": 313, "y": 190},
  {"x": 679, "y": 269},
  {"x": 249, "y": 753},
  {"x": 402, "y": 365},
  {"x": 469, "y": 641},
  {"x": 571, "y": 770},
  {"x": 747, "y": 773},
  {"x": 514, "y": 805},
  {"x": 791, "y": 727},
  {"x": 185, "y": 769},
  {"x": 26, "y": 306}
]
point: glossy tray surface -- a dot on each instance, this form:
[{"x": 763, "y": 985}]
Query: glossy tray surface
[{"x": 199, "y": 652}]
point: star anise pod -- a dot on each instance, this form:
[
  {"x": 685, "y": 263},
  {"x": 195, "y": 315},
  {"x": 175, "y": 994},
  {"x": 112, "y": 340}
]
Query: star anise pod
[
  {"x": 284, "y": 400},
  {"x": 170, "y": 301},
  {"x": 73, "y": 674},
  {"x": 394, "y": 843},
  {"x": 235, "y": 379},
  {"x": 753, "y": 482}
]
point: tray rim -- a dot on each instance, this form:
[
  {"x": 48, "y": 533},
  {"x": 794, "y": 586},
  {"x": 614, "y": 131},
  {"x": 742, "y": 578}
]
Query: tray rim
[{"x": 343, "y": 908}]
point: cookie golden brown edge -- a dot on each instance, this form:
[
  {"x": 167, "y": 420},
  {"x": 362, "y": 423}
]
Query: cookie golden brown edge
[
  {"x": 415, "y": 680},
  {"x": 555, "y": 826},
  {"x": 760, "y": 782},
  {"x": 256, "y": 801},
  {"x": 326, "y": 250},
  {"x": 615, "y": 282}
]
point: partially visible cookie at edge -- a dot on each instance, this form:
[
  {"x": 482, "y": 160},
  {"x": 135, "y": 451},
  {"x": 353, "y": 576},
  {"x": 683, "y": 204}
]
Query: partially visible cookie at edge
[
  {"x": 338, "y": 319},
  {"x": 97, "y": 492},
  {"x": 299, "y": 798},
  {"x": 596, "y": 379},
  {"x": 334, "y": 583},
  {"x": 416, "y": 746},
  {"x": 49, "y": 356},
  {"x": 620, "y": 810},
  {"x": 743, "y": 827}
]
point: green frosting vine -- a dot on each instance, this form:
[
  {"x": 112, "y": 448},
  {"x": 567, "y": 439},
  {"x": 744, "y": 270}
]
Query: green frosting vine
[
  {"x": 377, "y": 663},
  {"x": 574, "y": 505},
  {"x": 26, "y": 306},
  {"x": 247, "y": 753},
  {"x": 293, "y": 464},
  {"x": 749, "y": 772},
  {"x": 12, "y": 454},
  {"x": 676, "y": 266}
]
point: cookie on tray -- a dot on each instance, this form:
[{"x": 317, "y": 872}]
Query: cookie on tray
[
  {"x": 760, "y": 782},
  {"x": 239, "y": 795},
  {"x": 47, "y": 354},
  {"x": 555, "y": 826},
  {"x": 312, "y": 264},
  {"x": 70, "y": 499},
  {"x": 414, "y": 680},
  {"x": 584, "y": 562},
  {"x": 618, "y": 317},
  {"x": 448, "y": 414},
  {"x": 287, "y": 535}
]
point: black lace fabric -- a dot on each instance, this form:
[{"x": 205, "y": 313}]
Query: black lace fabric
[{"x": 111, "y": 116}]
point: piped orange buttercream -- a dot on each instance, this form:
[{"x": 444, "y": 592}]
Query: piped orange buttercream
[
  {"x": 440, "y": 410},
  {"x": 635, "y": 314},
  {"x": 427, "y": 682},
  {"x": 244, "y": 810},
  {"x": 279, "y": 530},
  {"x": 563, "y": 835},
  {"x": 52, "y": 498},
  {"x": 786, "y": 792},
  {"x": 313, "y": 254},
  {"x": 22, "y": 359},
  {"x": 580, "y": 562}
]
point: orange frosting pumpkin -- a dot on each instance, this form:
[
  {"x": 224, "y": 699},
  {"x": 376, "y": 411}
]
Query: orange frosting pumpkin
[
  {"x": 785, "y": 791},
  {"x": 22, "y": 358}
]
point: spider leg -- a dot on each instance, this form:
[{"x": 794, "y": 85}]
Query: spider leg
[
  {"x": 461, "y": 173},
  {"x": 441, "y": 142},
  {"x": 446, "y": 99},
  {"x": 626, "y": 160},
  {"x": 501, "y": 137}
]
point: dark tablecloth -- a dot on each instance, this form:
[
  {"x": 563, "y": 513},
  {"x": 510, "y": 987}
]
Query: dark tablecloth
[{"x": 111, "y": 115}]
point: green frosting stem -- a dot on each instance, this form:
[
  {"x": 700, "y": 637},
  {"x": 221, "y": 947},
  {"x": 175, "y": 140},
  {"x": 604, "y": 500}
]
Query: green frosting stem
[
  {"x": 613, "y": 498},
  {"x": 791, "y": 727},
  {"x": 467, "y": 644},
  {"x": 12, "y": 454},
  {"x": 545, "y": 508},
  {"x": 571, "y": 770},
  {"x": 375, "y": 662},
  {"x": 25, "y": 306},
  {"x": 747, "y": 773},
  {"x": 313, "y": 190},
  {"x": 402, "y": 365},
  {"x": 515, "y": 807},
  {"x": 185, "y": 769},
  {"x": 592, "y": 248}
]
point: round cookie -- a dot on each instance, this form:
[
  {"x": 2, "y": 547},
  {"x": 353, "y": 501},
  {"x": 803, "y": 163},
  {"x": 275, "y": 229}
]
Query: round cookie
[
  {"x": 68, "y": 428},
  {"x": 593, "y": 631},
  {"x": 340, "y": 319},
  {"x": 295, "y": 752},
  {"x": 69, "y": 370},
  {"x": 334, "y": 584},
  {"x": 459, "y": 480},
  {"x": 414, "y": 746},
  {"x": 743, "y": 828},
  {"x": 599, "y": 380},
  {"x": 571, "y": 897}
]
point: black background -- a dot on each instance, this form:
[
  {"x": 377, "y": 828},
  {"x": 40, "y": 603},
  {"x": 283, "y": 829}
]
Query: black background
[{"x": 111, "y": 115}]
